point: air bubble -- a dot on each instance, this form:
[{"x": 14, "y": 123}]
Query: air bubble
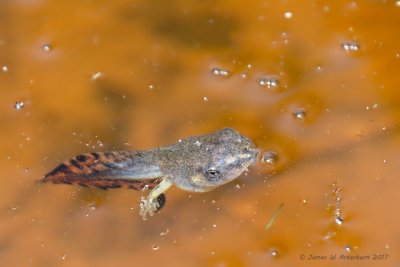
[
  {"x": 19, "y": 105},
  {"x": 339, "y": 220},
  {"x": 46, "y": 47},
  {"x": 299, "y": 114},
  {"x": 269, "y": 83},
  {"x": 220, "y": 72},
  {"x": 4, "y": 68},
  {"x": 336, "y": 212},
  {"x": 274, "y": 252},
  {"x": 347, "y": 248},
  {"x": 269, "y": 157},
  {"x": 350, "y": 46},
  {"x": 288, "y": 15},
  {"x": 155, "y": 247}
]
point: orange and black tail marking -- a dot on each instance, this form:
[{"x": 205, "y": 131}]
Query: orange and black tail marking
[{"x": 130, "y": 169}]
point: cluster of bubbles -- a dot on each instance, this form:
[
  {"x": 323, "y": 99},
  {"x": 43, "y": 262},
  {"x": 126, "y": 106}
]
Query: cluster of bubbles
[
  {"x": 350, "y": 46},
  {"x": 338, "y": 198},
  {"x": 269, "y": 83},
  {"x": 220, "y": 72},
  {"x": 19, "y": 105},
  {"x": 273, "y": 82}
]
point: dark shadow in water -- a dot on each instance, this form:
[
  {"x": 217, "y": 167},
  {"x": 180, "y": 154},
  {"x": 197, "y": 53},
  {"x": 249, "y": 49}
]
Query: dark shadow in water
[{"x": 198, "y": 26}]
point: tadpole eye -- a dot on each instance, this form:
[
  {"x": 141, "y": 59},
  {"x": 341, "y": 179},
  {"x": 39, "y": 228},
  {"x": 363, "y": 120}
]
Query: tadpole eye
[{"x": 213, "y": 174}]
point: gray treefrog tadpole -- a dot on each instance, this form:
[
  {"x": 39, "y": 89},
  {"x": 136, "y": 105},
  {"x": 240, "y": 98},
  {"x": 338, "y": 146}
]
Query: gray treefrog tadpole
[{"x": 195, "y": 164}]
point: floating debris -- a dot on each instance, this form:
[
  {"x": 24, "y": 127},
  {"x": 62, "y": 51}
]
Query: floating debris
[
  {"x": 164, "y": 233},
  {"x": 273, "y": 217},
  {"x": 19, "y": 105},
  {"x": 97, "y": 75}
]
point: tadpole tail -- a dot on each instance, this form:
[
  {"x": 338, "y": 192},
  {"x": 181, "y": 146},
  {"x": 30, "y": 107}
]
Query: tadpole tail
[{"x": 131, "y": 169}]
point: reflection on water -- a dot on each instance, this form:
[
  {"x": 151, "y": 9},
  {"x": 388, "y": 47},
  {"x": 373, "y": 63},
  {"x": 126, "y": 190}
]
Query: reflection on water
[{"x": 315, "y": 84}]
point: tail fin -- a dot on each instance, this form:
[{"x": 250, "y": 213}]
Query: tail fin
[{"x": 131, "y": 169}]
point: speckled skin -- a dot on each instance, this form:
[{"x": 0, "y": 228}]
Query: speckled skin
[
  {"x": 196, "y": 164},
  {"x": 186, "y": 163}
]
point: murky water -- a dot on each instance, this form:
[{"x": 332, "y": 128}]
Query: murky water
[{"x": 315, "y": 85}]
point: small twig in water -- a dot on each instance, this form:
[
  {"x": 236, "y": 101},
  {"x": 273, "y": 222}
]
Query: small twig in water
[{"x": 273, "y": 217}]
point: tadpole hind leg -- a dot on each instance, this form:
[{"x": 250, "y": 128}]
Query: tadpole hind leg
[
  {"x": 155, "y": 200},
  {"x": 161, "y": 201}
]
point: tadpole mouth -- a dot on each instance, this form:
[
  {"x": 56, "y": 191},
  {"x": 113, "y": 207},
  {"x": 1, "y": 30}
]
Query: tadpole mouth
[{"x": 254, "y": 152}]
